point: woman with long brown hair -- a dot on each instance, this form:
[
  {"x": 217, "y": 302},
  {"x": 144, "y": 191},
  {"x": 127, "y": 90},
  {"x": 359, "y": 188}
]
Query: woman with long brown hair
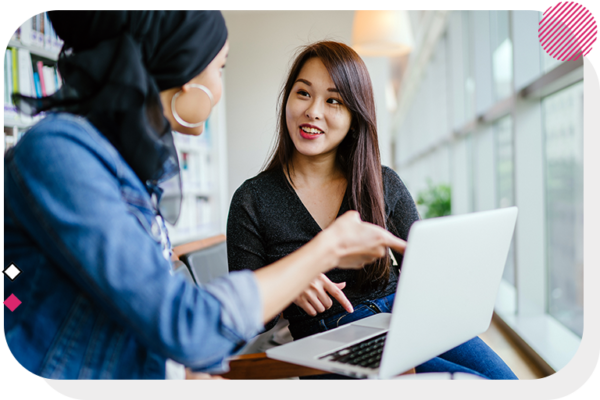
[
  {"x": 326, "y": 162},
  {"x": 83, "y": 219}
]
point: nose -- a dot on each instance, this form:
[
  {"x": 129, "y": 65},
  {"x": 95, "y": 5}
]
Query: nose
[{"x": 315, "y": 110}]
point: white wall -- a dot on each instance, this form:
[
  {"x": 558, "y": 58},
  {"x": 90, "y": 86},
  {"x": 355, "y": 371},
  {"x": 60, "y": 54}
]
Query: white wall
[
  {"x": 262, "y": 45},
  {"x": 380, "y": 71}
]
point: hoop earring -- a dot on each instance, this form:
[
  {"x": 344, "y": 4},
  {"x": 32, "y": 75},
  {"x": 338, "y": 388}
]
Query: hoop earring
[{"x": 174, "y": 111}]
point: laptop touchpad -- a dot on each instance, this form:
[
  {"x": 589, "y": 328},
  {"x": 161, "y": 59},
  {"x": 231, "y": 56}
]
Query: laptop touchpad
[{"x": 349, "y": 333}]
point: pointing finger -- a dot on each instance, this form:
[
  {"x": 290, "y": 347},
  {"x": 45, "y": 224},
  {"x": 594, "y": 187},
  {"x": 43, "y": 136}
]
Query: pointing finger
[
  {"x": 395, "y": 243},
  {"x": 337, "y": 294}
]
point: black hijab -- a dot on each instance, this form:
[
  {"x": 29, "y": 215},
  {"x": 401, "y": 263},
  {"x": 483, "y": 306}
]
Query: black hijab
[{"x": 115, "y": 63}]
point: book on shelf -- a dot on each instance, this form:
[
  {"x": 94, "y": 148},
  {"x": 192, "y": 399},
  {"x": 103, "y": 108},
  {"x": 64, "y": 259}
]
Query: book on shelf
[
  {"x": 203, "y": 140},
  {"x": 25, "y": 33},
  {"x": 28, "y": 77},
  {"x": 7, "y": 79},
  {"x": 40, "y": 71},
  {"x": 15, "y": 68},
  {"x": 195, "y": 170},
  {"x": 51, "y": 79},
  {"x": 38, "y": 85},
  {"x": 50, "y": 39},
  {"x": 9, "y": 107},
  {"x": 38, "y": 32},
  {"x": 22, "y": 71},
  {"x": 195, "y": 218}
]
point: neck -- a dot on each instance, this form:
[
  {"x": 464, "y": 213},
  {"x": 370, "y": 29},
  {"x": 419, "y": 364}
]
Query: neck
[{"x": 311, "y": 170}]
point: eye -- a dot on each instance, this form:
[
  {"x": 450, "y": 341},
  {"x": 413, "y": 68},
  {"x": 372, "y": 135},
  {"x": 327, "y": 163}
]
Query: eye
[
  {"x": 303, "y": 93},
  {"x": 334, "y": 101}
]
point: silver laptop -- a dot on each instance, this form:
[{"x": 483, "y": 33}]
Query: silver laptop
[{"x": 446, "y": 292}]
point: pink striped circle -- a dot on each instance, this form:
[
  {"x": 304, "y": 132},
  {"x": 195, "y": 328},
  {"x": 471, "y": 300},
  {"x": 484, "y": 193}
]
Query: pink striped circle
[{"x": 567, "y": 31}]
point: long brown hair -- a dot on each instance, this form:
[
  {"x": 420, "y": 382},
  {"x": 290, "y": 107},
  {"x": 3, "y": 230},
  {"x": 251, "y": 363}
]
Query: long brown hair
[{"x": 358, "y": 153}]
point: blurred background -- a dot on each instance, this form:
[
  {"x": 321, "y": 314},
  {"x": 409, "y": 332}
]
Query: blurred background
[{"x": 472, "y": 114}]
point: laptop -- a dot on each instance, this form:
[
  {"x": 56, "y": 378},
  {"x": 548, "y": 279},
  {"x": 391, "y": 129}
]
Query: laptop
[{"x": 451, "y": 272}]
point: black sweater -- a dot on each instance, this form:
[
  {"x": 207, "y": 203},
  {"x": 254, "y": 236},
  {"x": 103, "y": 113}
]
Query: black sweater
[{"x": 267, "y": 221}]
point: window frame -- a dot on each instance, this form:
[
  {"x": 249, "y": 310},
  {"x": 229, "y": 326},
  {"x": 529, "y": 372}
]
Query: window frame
[{"x": 523, "y": 307}]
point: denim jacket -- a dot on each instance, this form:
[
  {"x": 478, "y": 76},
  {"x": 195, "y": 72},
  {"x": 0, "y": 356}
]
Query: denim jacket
[{"x": 98, "y": 299}]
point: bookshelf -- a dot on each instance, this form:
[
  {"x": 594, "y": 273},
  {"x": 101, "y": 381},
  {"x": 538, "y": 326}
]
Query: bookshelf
[
  {"x": 29, "y": 68},
  {"x": 202, "y": 158},
  {"x": 203, "y": 178}
]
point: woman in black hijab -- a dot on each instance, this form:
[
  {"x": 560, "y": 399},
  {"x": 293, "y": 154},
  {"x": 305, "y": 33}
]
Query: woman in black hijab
[{"x": 82, "y": 216}]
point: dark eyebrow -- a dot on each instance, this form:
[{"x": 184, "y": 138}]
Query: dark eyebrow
[{"x": 307, "y": 83}]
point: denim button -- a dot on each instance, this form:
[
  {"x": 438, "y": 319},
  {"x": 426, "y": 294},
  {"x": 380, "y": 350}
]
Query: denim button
[{"x": 155, "y": 228}]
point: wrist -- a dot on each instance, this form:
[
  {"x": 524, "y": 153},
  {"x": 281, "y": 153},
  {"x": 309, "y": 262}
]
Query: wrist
[{"x": 328, "y": 249}]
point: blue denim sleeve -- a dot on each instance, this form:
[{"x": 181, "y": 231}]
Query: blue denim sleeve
[
  {"x": 237, "y": 293},
  {"x": 64, "y": 183}
]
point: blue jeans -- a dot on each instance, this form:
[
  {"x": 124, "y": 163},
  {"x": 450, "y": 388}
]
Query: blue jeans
[{"x": 473, "y": 356}]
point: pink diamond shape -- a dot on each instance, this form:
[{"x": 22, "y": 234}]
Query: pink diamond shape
[{"x": 12, "y": 302}]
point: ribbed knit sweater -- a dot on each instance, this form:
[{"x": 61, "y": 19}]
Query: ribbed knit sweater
[{"x": 267, "y": 221}]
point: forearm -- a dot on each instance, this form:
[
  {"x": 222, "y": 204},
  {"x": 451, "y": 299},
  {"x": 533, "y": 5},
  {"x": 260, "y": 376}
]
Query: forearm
[
  {"x": 111, "y": 255},
  {"x": 283, "y": 281},
  {"x": 347, "y": 243}
]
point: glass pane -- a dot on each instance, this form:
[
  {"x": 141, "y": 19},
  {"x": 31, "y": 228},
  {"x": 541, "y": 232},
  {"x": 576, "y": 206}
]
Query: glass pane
[
  {"x": 563, "y": 130},
  {"x": 468, "y": 64},
  {"x": 470, "y": 171},
  {"x": 548, "y": 63},
  {"x": 503, "y": 138},
  {"x": 502, "y": 54}
]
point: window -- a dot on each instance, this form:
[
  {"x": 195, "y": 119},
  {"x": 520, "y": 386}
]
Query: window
[
  {"x": 502, "y": 54},
  {"x": 468, "y": 63},
  {"x": 503, "y": 144},
  {"x": 514, "y": 136},
  {"x": 562, "y": 115}
]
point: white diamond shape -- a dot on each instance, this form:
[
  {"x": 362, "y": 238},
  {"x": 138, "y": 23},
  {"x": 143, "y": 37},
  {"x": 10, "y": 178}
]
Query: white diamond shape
[{"x": 12, "y": 272}]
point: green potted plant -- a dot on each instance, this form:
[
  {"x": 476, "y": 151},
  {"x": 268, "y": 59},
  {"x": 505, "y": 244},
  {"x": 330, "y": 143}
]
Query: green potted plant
[{"x": 436, "y": 200}]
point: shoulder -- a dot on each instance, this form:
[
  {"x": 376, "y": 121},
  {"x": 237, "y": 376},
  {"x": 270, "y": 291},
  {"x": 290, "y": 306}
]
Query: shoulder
[
  {"x": 393, "y": 187},
  {"x": 265, "y": 178},
  {"x": 391, "y": 181},
  {"x": 261, "y": 184},
  {"x": 65, "y": 147},
  {"x": 59, "y": 131},
  {"x": 62, "y": 124},
  {"x": 389, "y": 175}
]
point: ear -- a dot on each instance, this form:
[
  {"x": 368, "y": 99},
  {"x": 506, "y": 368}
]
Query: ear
[
  {"x": 186, "y": 87},
  {"x": 353, "y": 126}
]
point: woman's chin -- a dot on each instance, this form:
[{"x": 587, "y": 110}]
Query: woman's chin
[
  {"x": 197, "y": 131},
  {"x": 311, "y": 151}
]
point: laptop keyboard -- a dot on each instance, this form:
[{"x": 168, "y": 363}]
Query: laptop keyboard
[{"x": 364, "y": 354}]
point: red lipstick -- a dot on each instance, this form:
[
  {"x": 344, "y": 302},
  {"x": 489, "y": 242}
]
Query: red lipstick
[{"x": 309, "y": 136}]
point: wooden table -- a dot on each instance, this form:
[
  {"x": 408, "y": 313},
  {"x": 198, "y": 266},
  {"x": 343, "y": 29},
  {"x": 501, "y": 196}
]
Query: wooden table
[{"x": 259, "y": 366}]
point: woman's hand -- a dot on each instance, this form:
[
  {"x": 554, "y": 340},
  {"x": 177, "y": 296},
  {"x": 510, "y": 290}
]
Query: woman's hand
[
  {"x": 347, "y": 243},
  {"x": 357, "y": 243},
  {"x": 315, "y": 299}
]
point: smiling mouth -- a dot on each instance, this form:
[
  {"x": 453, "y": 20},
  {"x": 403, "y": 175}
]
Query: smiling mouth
[{"x": 311, "y": 131}]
